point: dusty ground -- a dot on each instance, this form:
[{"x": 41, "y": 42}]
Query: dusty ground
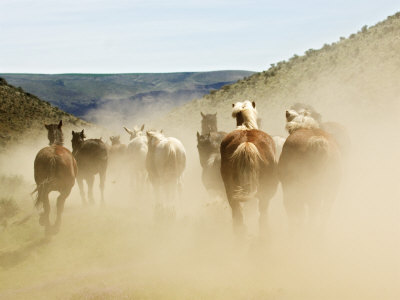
[{"x": 120, "y": 251}]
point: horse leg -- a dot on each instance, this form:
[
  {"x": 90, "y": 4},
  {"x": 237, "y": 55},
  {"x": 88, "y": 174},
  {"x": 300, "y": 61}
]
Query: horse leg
[
  {"x": 60, "y": 208},
  {"x": 237, "y": 216},
  {"x": 102, "y": 184},
  {"x": 44, "y": 218},
  {"x": 90, "y": 181},
  {"x": 79, "y": 180}
]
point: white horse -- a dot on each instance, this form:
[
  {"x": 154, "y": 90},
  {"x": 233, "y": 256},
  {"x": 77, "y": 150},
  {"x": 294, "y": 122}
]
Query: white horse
[
  {"x": 137, "y": 153},
  {"x": 165, "y": 163}
]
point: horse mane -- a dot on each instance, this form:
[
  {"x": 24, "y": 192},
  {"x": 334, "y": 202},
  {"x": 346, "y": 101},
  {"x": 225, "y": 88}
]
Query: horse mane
[
  {"x": 301, "y": 122},
  {"x": 245, "y": 114}
]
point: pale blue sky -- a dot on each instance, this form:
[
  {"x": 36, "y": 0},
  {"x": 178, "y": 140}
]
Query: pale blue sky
[{"x": 121, "y": 36}]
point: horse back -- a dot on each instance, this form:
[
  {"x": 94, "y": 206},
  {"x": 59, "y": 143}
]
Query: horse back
[{"x": 92, "y": 157}]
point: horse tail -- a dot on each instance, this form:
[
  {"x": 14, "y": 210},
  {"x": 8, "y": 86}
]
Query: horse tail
[{"x": 246, "y": 165}]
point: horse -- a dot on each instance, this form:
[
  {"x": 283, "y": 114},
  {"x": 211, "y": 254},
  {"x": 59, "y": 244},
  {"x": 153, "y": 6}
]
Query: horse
[
  {"x": 165, "y": 163},
  {"x": 55, "y": 169},
  {"x": 210, "y": 161},
  {"x": 309, "y": 169},
  {"x": 137, "y": 153},
  {"x": 92, "y": 157},
  {"x": 248, "y": 166}
]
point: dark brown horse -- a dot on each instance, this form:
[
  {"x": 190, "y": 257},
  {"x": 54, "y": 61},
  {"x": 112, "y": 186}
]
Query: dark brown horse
[
  {"x": 55, "y": 169},
  {"x": 248, "y": 165},
  {"x": 92, "y": 158},
  {"x": 309, "y": 170}
]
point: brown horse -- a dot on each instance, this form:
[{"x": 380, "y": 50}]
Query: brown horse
[
  {"x": 248, "y": 164},
  {"x": 55, "y": 169},
  {"x": 92, "y": 158},
  {"x": 309, "y": 170}
]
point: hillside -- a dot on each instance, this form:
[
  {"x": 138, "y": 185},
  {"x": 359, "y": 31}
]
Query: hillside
[
  {"x": 23, "y": 114},
  {"x": 80, "y": 94},
  {"x": 341, "y": 80}
]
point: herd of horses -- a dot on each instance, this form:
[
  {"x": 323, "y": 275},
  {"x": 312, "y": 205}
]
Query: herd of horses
[{"x": 244, "y": 164}]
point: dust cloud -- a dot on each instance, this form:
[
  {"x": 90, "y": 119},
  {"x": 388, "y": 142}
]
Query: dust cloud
[{"x": 121, "y": 251}]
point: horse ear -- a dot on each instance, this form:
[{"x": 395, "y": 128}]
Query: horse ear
[
  {"x": 83, "y": 133},
  {"x": 233, "y": 105},
  {"x": 254, "y": 104},
  {"x": 198, "y": 135},
  {"x": 128, "y": 130},
  {"x": 47, "y": 126},
  {"x": 60, "y": 124},
  {"x": 141, "y": 128},
  {"x": 203, "y": 115},
  {"x": 73, "y": 132}
]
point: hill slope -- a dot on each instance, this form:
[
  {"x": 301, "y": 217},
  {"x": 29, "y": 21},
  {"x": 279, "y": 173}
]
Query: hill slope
[
  {"x": 22, "y": 113},
  {"x": 80, "y": 93},
  {"x": 340, "y": 80}
]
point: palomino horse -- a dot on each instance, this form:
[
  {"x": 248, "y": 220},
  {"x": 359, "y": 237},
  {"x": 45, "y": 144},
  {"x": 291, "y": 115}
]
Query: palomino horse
[
  {"x": 309, "y": 170},
  {"x": 92, "y": 158},
  {"x": 55, "y": 170},
  {"x": 248, "y": 164},
  {"x": 165, "y": 163},
  {"x": 137, "y": 153},
  {"x": 210, "y": 160}
]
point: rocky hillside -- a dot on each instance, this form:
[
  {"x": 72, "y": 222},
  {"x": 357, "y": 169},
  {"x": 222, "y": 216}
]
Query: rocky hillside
[
  {"x": 23, "y": 114},
  {"x": 355, "y": 78}
]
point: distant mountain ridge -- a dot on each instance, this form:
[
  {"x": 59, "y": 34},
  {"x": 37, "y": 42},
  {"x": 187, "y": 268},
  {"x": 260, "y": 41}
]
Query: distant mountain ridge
[{"x": 80, "y": 94}]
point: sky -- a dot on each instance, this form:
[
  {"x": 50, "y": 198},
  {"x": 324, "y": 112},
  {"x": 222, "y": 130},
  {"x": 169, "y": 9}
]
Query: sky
[{"x": 122, "y": 36}]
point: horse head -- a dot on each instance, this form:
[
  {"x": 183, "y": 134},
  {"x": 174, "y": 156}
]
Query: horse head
[
  {"x": 115, "y": 140},
  {"x": 135, "y": 132},
  {"x": 77, "y": 140},
  {"x": 54, "y": 133},
  {"x": 208, "y": 123}
]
